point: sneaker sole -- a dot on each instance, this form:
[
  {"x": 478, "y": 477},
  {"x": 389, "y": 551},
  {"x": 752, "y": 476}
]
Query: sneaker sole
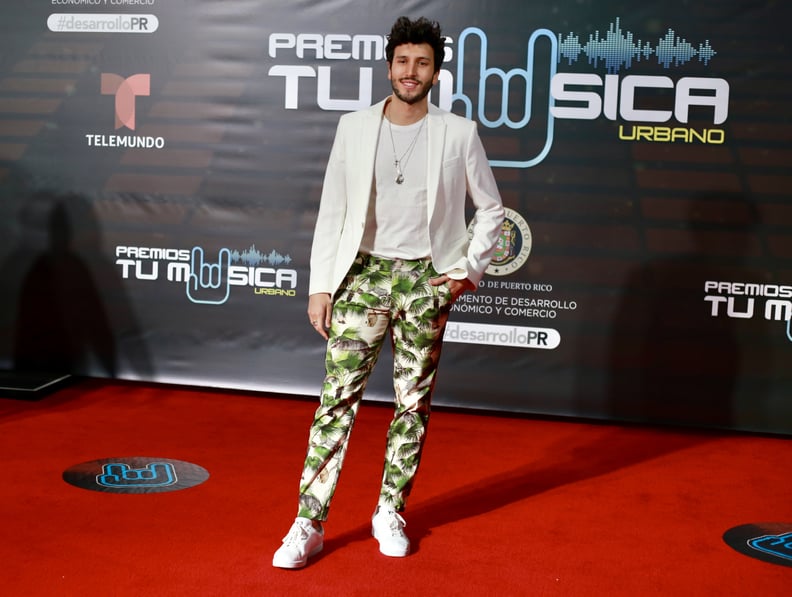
[{"x": 292, "y": 565}]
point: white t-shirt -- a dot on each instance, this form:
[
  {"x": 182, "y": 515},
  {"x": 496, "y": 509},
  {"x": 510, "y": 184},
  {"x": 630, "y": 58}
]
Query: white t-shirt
[{"x": 397, "y": 222}]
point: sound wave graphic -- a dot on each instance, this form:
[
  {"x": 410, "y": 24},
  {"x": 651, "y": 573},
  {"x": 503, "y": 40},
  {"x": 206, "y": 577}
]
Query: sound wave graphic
[
  {"x": 618, "y": 49},
  {"x": 254, "y": 257}
]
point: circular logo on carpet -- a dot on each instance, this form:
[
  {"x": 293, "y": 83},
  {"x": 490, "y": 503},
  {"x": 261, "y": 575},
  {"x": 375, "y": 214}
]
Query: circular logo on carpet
[
  {"x": 135, "y": 474},
  {"x": 766, "y": 541}
]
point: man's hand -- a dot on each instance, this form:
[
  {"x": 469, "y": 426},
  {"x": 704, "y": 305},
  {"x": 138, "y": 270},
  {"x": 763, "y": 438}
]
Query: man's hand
[
  {"x": 457, "y": 287},
  {"x": 319, "y": 310}
]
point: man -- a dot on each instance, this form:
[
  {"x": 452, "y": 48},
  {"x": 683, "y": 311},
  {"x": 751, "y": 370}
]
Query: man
[{"x": 391, "y": 251}]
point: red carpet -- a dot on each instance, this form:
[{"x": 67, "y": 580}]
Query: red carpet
[{"x": 502, "y": 506}]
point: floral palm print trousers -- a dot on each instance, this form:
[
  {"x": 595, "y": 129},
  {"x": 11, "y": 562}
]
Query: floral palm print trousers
[{"x": 378, "y": 295}]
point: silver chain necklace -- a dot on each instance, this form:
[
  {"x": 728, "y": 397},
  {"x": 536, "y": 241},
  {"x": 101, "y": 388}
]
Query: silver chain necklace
[{"x": 398, "y": 162}]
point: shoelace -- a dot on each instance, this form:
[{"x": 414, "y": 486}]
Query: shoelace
[
  {"x": 396, "y": 523},
  {"x": 297, "y": 534}
]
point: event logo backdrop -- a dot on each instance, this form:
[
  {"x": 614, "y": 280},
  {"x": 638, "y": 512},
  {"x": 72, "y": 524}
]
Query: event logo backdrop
[{"x": 161, "y": 165}]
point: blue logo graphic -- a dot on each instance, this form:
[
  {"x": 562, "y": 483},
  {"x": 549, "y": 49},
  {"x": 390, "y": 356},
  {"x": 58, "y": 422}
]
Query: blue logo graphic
[
  {"x": 155, "y": 474},
  {"x": 209, "y": 283},
  {"x": 776, "y": 545},
  {"x": 617, "y": 49},
  {"x": 209, "y": 278},
  {"x": 526, "y": 75},
  {"x": 135, "y": 474}
]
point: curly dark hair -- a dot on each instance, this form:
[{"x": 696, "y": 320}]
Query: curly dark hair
[{"x": 419, "y": 31}]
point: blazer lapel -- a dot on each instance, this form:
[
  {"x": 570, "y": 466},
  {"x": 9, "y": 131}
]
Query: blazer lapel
[{"x": 366, "y": 152}]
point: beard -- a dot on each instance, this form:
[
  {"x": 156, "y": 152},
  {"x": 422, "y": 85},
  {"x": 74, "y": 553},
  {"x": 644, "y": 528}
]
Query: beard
[{"x": 420, "y": 92}]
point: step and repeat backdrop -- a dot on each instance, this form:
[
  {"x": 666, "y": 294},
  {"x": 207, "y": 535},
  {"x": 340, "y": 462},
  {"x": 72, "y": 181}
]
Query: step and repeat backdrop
[{"x": 161, "y": 164}]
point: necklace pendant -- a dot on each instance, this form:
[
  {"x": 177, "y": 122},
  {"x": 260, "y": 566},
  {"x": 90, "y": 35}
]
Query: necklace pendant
[{"x": 399, "y": 179}]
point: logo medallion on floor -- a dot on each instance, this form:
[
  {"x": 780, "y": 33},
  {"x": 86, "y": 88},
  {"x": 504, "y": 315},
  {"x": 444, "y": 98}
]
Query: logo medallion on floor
[
  {"x": 768, "y": 541},
  {"x": 135, "y": 474}
]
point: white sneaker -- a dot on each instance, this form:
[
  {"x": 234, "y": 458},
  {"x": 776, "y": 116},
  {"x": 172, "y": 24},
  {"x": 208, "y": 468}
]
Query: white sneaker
[
  {"x": 302, "y": 542},
  {"x": 387, "y": 527}
]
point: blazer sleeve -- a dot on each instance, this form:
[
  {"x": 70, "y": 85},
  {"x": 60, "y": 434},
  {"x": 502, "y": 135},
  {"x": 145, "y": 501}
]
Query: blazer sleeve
[{"x": 488, "y": 219}]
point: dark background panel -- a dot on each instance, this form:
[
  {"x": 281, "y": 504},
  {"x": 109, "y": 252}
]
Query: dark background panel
[{"x": 626, "y": 231}]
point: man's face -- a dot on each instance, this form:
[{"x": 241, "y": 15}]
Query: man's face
[{"x": 412, "y": 72}]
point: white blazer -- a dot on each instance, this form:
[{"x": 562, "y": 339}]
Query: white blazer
[{"x": 457, "y": 167}]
